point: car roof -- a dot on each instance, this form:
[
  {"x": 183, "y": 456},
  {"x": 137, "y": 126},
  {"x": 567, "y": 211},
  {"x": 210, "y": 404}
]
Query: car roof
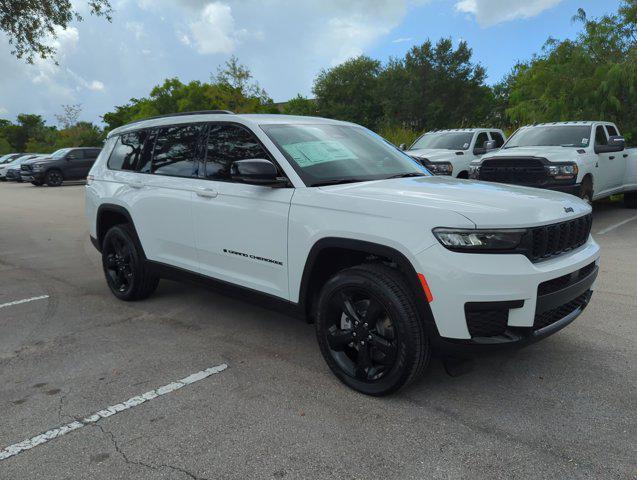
[
  {"x": 467, "y": 130},
  {"x": 246, "y": 119},
  {"x": 582, "y": 123}
]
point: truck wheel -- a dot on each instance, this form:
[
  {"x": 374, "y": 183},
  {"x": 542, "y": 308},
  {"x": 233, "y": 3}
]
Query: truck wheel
[
  {"x": 54, "y": 178},
  {"x": 586, "y": 191},
  {"x": 126, "y": 273},
  {"x": 630, "y": 199},
  {"x": 369, "y": 331}
]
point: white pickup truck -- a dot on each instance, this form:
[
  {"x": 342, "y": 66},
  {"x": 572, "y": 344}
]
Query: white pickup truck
[
  {"x": 587, "y": 159},
  {"x": 450, "y": 152}
]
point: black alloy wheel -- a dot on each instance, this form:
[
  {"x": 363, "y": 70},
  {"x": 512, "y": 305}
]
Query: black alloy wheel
[
  {"x": 361, "y": 336},
  {"x": 369, "y": 331},
  {"x": 126, "y": 272},
  {"x": 54, "y": 178},
  {"x": 118, "y": 264}
]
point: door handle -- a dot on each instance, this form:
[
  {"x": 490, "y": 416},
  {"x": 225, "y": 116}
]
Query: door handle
[
  {"x": 135, "y": 184},
  {"x": 206, "y": 192},
  {"x": 612, "y": 157}
]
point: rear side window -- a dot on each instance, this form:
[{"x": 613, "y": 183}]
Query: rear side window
[
  {"x": 175, "y": 151},
  {"x": 612, "y": 131},
  {"x": 499, "y": 139},
  {"x": 227, "y": 144},
  {"x": 128, "y": 151}
]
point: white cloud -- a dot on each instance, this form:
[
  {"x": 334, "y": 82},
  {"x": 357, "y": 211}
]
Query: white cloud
[
  {"x": 401, "y": 40},
  {"x": 492, "y": 12},
  {"x": 95, "y": 85},
  {"x": 214, "y": 31},
  {"x": 137, "y": 29}
]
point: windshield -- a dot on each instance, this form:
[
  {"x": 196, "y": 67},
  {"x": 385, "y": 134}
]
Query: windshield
[
  {"x": 444, "y": 140},
  {"x": 551, "y": 136},
  {"x": 329, "y": 154},
  {"x": 60, "y": 153}
]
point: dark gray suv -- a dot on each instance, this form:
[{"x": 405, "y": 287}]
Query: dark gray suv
[{"x": 64, "y": 164}]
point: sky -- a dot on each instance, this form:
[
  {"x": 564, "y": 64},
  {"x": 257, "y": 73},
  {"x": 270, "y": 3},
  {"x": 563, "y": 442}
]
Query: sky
[{"x": 284, "y": 43}]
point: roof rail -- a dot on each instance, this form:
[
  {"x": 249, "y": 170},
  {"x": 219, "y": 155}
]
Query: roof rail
[{"x": 183, "y": 114}]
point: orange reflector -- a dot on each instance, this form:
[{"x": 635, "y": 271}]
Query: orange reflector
[{"x": 425, "y": 287}]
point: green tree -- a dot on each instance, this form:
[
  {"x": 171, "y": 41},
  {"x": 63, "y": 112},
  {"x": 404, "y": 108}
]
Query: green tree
[
  {"x": 300, "y": 105},
  {"x": 28, "y": 24},
  {"x": 591, "y": 77},
  {"x": 349, "y": 92}
]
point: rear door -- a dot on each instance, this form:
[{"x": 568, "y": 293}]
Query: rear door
[
  {"x": 76, "y": 162},
  {"x": 616, "y": 168},
  {"x": 241, "y": 229}
]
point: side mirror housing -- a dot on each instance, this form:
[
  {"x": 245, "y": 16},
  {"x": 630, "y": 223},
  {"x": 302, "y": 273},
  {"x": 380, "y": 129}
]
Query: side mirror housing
[
  {"x": 258, "y": 171},
  {"x": 489, "y": 145},
  {"x": 402, "y": 146},
  {"x": 616, "y": 143}
]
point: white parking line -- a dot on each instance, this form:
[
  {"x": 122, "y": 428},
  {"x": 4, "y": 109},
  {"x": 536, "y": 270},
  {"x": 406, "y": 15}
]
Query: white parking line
[
  {"x": 617, "y": 225},
  {"x": 49, "y": 435},
  {"x": 25, "y": 300}
]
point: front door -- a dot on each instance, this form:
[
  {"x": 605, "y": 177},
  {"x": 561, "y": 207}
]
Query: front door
[
  {"x": 610, "y": 165},
  {"x": 240, "y": 229}
]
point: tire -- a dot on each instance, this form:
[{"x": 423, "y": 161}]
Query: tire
[
  {"x": 37, "y": 184},
  {"x": 396, "y": 349},
  {"x": 125, "y": 270},
  {"x": 586, "y": 190},
  {"x": 464, "y": 174},
  {"x": 630, "y": 199},
  {"x": 53, "y": 178}
]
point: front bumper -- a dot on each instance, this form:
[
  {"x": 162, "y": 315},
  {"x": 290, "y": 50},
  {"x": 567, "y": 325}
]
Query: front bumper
[
  {"x": 508, "y": 281},
  {"x": 13, "y": 176},
  {"x": 32, "y": 176},
  {"x": 574, "y": 189}
]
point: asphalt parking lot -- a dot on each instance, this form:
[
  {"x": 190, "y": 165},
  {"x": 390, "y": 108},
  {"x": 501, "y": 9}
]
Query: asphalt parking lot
[{"x": 563, "y": 408}]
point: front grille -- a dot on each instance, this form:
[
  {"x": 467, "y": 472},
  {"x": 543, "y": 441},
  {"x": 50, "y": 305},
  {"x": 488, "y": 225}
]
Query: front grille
[
  {"x": 486, "y": 323},
  {"x": 547, "y": 318},
  {"x": 556, "y": 284},
  {"x": 525, "y": 171},
  {"x": 551, "y": 240}
]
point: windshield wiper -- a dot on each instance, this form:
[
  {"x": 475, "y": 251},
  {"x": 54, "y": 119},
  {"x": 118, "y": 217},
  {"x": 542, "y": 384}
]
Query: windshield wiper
[
  {"x": 338, "y": 181},
  {"x": 407, "y": 175}
]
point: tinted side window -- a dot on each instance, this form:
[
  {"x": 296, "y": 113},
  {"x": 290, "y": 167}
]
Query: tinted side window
[
  {"x": 499, "y": 139},
  {"x": 600, "y": 136},
  {"x": 229, "y": 143},
  {"x": 127, "y": 151},
  {"x": 175, "y": 151},
  {"x": 75, "y": 154},
  {"x": 612, "y": 131},
  {"x": 482, "y": 137}
]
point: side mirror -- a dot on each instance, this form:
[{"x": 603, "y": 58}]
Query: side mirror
[
  {"x": 258, "y": 171},
  {"x": 616, "y": 143},
  {"x": 402, "y": 146},
  {"x": 489, "y": 145}
]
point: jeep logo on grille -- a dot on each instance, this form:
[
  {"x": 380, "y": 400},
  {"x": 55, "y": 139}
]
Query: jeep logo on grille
[{"x": 568, "y": 209}]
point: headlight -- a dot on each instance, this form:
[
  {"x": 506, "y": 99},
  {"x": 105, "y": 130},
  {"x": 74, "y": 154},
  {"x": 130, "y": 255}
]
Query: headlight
[
  {"x": 474, "y": 171},
  {"x": 440, "y": 168},
  {"x": 466, "y": 240},
  {"x": 38, "y": 166},
  {"x": 563, "y": 172}
]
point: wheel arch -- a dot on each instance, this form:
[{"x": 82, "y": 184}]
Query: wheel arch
[
  {"x": 109, "y": 215},
  {"x": 329, "y": 255}
]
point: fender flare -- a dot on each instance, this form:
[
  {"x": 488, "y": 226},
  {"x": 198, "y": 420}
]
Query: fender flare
[
  {"x": 114, "y": 208},
  {"x": 371, "y": 248}
]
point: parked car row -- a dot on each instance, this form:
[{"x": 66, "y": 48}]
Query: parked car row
[
  {"x": 587, "y": 159},
  {"x": 50, "y": 169}
]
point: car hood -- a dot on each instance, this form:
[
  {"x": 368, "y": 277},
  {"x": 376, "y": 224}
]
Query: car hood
[
  {"x": 487, "y": 205},
  {"x": 434, "y": 154},
  {"x": 552, "y": 154}
]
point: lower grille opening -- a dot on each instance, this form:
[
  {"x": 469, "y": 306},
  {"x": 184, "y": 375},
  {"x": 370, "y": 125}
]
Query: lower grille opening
[
  {"x": 548, "y": 318},
  {"x": 564, "y": 281},
  {"x": 489, "y": 319}
]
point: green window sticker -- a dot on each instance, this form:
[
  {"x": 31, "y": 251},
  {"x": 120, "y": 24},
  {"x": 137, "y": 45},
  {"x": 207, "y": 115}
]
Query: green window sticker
[{"x": 307, "y": 154}]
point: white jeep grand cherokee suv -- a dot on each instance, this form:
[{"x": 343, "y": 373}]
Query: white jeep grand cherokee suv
[{"x": 390, "y": 262}]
